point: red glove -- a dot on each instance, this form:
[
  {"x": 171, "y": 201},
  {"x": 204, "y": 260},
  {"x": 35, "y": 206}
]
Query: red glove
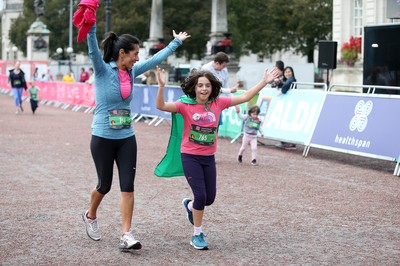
[{"x": 85, "y": 17}]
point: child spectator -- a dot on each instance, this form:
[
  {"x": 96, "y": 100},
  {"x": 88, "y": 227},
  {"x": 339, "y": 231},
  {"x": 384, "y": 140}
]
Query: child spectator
[{"x": 251, "y": 128}]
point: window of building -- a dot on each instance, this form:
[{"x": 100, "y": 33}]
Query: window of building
[{"x": 358, "y": 25}]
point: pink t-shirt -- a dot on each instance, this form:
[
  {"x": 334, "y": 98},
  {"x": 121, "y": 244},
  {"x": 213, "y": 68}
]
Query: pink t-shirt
[
  {"x": 200, "y": 130},
  {"x": 125, "y": 83}
]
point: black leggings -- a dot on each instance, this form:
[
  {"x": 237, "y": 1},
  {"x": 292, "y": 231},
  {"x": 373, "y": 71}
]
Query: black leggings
[
  {"x": 201, "y": 174},
  {"x": 123, "y": 152}
]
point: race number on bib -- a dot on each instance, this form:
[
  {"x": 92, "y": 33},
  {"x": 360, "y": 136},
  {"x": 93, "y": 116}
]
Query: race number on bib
[{"x": 202, "y": 135}]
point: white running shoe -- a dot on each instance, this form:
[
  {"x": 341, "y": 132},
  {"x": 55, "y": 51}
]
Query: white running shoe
[
  {"x": 128, "y": 241},
  {"x": 92, "y": 229}
]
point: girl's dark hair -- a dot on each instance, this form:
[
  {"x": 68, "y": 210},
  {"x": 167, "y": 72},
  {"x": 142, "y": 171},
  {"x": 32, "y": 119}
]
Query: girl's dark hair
[
  {"x": 189, "y": 84},
  {"x": 112, "y": 44},
  {"x": 254, "y": 109},
  {"x": 288, "y": 67}
]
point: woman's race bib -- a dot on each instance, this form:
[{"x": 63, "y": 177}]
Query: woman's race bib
[{"x": 119, "y": 118}]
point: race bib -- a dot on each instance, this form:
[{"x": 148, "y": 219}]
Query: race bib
[
  {"x": 202, "y": 135},
  {"x": 120, "y": 118},
  {"x": 254, "y": 124}
]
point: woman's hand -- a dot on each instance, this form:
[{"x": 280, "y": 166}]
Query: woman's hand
[
  {"x": 181, "y": 36},
  {"x": 161, "y": 76}
]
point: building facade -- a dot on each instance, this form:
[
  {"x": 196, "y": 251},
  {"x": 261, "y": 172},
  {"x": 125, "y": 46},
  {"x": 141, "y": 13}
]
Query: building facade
[{"x": 11, "y": 9}]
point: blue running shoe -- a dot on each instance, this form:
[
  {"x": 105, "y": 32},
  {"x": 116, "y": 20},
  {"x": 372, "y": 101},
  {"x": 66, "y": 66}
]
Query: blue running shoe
[
  {"x": 198, "y": 241},
  {"x": 185, "y": 203}
]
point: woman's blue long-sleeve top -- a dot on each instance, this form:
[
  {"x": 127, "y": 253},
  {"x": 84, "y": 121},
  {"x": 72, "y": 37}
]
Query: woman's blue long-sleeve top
[
  {"x": 107, "y": 86},
  {"x": 287, "y": 84}
]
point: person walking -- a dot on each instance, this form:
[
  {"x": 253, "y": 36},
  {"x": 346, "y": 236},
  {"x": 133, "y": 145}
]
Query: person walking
[
  {"x": 17, "y": 80},
  {"x": 113, "y": 138},
  {"x": 34, "y": 96},
  {"x": 250, "y": 129},
  {"x": 200, "y": 108}
]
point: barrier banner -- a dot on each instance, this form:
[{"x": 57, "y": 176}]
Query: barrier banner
[
  {"x": 359, "y": 124},
  {"x": 144, "y": 99},
  {"x": 231, "y": 123},
  {"x": 291, "y": 116},
  {"x": 73, "y": 93}
]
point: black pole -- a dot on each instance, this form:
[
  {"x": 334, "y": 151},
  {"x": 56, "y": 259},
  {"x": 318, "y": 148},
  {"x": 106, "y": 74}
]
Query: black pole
[
  {"x": 108, "y": 15},
  {"x": 327, "y": 77}
]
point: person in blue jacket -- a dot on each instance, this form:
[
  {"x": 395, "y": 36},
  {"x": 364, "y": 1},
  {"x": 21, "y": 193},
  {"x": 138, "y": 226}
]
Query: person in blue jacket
[
  {"x": 113, "y": 138},
  {"x": 288, "y": 79}
]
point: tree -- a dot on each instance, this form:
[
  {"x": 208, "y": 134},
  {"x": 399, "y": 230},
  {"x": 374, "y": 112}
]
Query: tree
[
  {"x": 311, "y": 21},
  {"x": 265, "y": 27},
  {"x": 194, "y": 18},
  {"x": 257, "y": 26}
]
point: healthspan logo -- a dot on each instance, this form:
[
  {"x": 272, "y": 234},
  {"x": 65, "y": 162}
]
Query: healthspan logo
[
  {"x": 360, "y": 118},
  {"x": 359, "y": 122}
]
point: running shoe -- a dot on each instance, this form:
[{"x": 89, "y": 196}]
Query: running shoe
[
  {"x": 128, "y": 241},
  {"x": 198, "y": 241},
  {"x": 92, "y": 229},
  {"x": 240, "y": 159},
  {"x": 254, "y": 162},
  {"x": 185, "y": 203}
]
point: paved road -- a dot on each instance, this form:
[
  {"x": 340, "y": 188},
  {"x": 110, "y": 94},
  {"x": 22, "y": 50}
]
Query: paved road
[{"x": 326, "y": 209}]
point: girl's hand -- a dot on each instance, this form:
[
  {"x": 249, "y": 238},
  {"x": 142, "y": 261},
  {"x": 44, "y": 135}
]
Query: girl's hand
[
  {"x": 181, "y": 36},
  {"x": 161, "y": 76},
  {"x": 269, "y": 76},
  {"x": 237, "y": 108}
]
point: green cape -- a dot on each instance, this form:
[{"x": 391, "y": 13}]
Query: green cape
[{"x": 171, "y": 164}]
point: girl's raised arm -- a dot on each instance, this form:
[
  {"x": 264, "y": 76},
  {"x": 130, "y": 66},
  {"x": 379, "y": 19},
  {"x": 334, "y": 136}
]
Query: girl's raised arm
[
  {"x": 268, "y": 77},
  {"x": 160, "y": 102}
]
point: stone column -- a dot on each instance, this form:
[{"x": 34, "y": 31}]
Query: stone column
[
  {"x": 38, "y": 41},
  {"x": 156, "y": 25},
  {"x": 219, "y": 21}
]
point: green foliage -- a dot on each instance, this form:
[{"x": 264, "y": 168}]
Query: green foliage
[
  {"x": 257, "y": 26},
  {"x": 268, "y": 26}
]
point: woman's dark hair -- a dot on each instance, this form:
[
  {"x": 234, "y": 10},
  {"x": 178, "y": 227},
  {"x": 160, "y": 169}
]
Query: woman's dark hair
[
  {"x": 189, "y": 84},
  {"x": 288, "y": 67},
  {"x": 254, "y": 109},
  {"x": 112, "y": 44}
]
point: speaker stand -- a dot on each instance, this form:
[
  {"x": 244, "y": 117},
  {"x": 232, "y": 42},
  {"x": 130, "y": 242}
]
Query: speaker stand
[{"x": 327, "y": 77}]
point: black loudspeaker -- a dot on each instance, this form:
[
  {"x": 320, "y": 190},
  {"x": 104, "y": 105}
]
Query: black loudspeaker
[{"x": 327, "y": 54}]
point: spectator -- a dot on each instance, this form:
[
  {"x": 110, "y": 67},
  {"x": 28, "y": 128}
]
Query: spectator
[
  {"x": 288, "y": 79},
  {"x": 90, "y": 80},
  {"x": 84, "y": 76},
  {"x": 151, "y": 79},
  {"x": 68, "y": 77},
  {"x": 278, "y": 82}
]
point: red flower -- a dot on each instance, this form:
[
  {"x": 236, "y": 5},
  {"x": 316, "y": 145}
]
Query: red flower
[{"x": 351, "y": 50}]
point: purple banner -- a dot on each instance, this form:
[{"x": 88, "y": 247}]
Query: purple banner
[{"x": 359, "y": 124}]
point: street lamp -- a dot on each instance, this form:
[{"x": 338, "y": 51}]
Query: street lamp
[
  {"x": 108, "y": 14},
  {"x": 59, "y": 52},
  {"x": 15, "y": 50},
  {"x": 70, "y": 50}
]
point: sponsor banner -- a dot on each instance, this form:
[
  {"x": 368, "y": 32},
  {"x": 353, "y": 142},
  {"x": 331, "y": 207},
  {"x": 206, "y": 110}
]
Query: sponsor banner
[
  {"x": 291, "y": 116},
  {"x": 144, "y": 99},
  {"x": 359, "y": 124}
]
